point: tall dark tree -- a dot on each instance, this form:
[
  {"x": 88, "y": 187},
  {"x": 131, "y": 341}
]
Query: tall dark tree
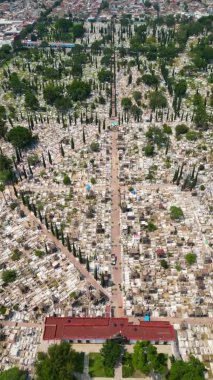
[{"x": 50, "y": 158}]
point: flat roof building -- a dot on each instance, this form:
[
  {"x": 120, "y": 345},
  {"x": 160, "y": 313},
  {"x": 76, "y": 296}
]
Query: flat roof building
[{"x": 97, "y": 330}]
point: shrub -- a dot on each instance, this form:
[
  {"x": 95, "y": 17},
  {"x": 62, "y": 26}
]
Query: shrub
[
  {"x": 8, "y": 276},
  {"x": 66, "y": 180},
  {"x": 16, "y": 255},
  {"x": 192, "y": 135},
  {"x": 164, "y": 264},
  {"x": 176, "y": 213},
  {"x": 39, "y": 253},
  {"x": 149, "y": 150},
  {"x": 181, "y": 129},
  {"x": 167, "y": 129},
  {"x": 152, "y": 227},
  {"x": 95, "y": 147},
  {"x": 190, "y": 258}
]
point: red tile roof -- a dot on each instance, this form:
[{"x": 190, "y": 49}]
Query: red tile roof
[{"x": 57, "y": 328}]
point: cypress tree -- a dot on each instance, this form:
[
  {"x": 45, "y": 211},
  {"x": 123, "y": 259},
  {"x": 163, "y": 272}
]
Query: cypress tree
[
  {"x": 52, "y": 228},
  {"x": 70, "y": 120},
  {"x": 176, "y": 175},
  {"x": 56, "y": 232},
  {"x": 24, "y": 171},
  {"x": 23, "y": 199},
  {"x": 193, "y": 172},
  {"x": 167, "y": 146},
  {"x": 30, "y": 170},
  {"x": 69, "y": 245},
  {"x": 96, "y": 273},
  {"x": 34, "y": 209},
  {"x": 84, "y": 138},
  {"x": 50, "y": 158},
  {"x": 180, "y": 175},
  {"x": 74, "y": 249},
  {"x": 15, "y": 191},
  {"x": 80, "y": 256},
  {"x": 17, "y": 156},
  {"x": 87, "y": 264},
  {"x": 62, "y": 237},
  {"x": 46, "y": 222},
  {"x": 102, "y": 280},
  {"x": 62, "y": 150},
  {"x": 43, "y": 160},
  {"x": 14, "y": 162},
  {"x": 46, "y": 248},
  {"x": 40, "y": 216}
]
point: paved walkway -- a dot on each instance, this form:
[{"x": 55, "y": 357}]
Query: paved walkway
[
  {"x": 117, "y": 298},
  {"x": 22, "y": 324}
]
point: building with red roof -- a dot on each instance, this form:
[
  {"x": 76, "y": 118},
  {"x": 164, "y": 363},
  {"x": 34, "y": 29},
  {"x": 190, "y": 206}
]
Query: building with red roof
[{"x": 97, "y": 330}]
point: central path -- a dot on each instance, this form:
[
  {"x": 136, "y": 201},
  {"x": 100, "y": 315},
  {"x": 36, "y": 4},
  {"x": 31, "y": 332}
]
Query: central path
[{"x": 117, "y": 297}]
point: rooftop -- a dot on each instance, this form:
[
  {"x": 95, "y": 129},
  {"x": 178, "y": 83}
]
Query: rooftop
[{"x": 106, "y": 328}]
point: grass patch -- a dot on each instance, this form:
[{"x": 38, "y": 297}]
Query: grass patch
[{"x": 96, "y": 366}]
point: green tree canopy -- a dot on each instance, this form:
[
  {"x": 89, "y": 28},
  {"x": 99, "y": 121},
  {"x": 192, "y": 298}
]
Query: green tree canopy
[
  {"x": 157, "y": 100},
  {"x": 180, "y": 88},
  {"x": 58, "y": 363},
  {"x": 63, "y": 25},
  {"x": 95, "y": 147},
  {"x": 149, "y": 150},
  {"x": 150, "y": 79},
  {"x": 13, "y": 374},
  {"x": 191, "y": 370},
  {"x": 79, "y": 90},
  {"x": 20, "y": 137},
  {"x": 104, "y": 75},
  {"x": 157, "y": 136},
  {"x": 3, "y": 128},
  {"x": 51, "y": 93},
  {"x": 191, "y": 258},
  {"x": 8, "y": 276},
  {"x": 31, "y": 101},
  {"x": 111, "y": 352},
  {"x": 15, "y": 83},
  {"x": 126, "y": 103},
  {"x": 66, "y": 180},
  {"x": 6, "y": 169},
  {"x": 146, "y": 359},
  {"x": 181, "y": 129},
  {"x": 176, "y": 213},
  {"x": 78, "y": 31},
  {"x": 2, "y": 112},
  {"x": 137, "y": 95},
  {"x": 63, "y": 103}
]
